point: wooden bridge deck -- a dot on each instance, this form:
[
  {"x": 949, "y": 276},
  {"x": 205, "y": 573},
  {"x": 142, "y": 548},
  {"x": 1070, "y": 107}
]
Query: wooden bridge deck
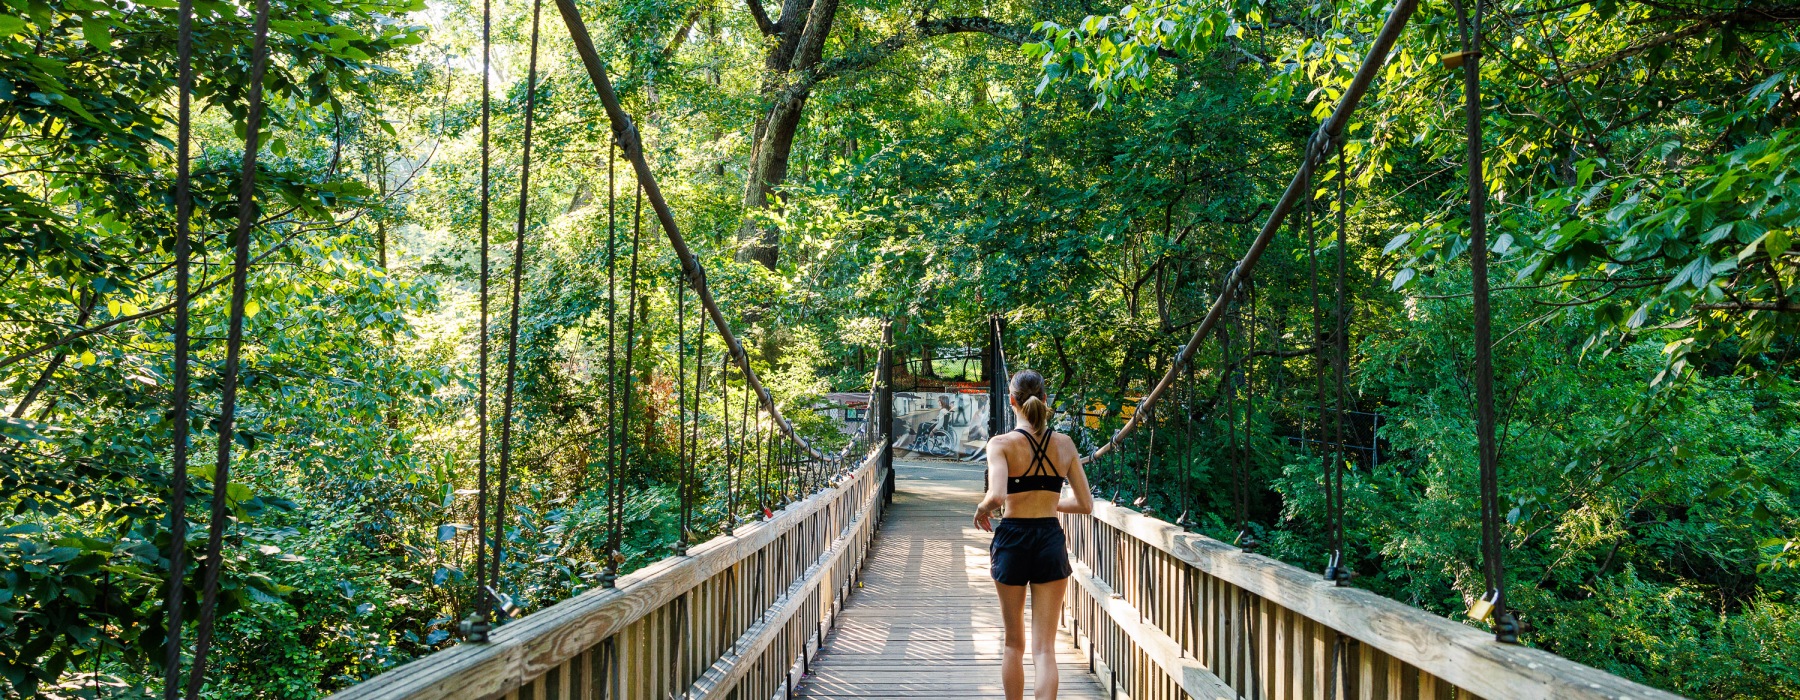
[{"x": 926, "y": 623}]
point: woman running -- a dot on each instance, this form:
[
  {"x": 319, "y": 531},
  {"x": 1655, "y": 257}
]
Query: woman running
[{"x": 1027, "y": 470}]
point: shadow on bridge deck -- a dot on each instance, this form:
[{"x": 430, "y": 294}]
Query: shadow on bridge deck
[{"x": 926, "y": 623}]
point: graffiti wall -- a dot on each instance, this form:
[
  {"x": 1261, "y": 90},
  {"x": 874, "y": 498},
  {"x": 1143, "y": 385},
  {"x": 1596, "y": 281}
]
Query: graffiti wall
[{"x": 940, "y": 424}]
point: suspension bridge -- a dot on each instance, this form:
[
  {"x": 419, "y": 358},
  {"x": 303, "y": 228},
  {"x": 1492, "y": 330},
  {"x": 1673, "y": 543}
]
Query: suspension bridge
[{"x": 871, "y": 582}]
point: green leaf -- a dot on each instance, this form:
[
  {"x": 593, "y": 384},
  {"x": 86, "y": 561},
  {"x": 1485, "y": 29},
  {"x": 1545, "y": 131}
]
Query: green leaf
[
  {"x": 10, "y": 25},
  {"x": 97, "y": 30},
  {"x": 21, "y": 429},
  {"x": 1776, "y": 242}
]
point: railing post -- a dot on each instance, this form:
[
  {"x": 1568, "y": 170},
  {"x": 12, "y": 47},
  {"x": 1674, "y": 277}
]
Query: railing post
[
  {"x": 994, "y": 366},
  {"x": 885, "y": 414}
]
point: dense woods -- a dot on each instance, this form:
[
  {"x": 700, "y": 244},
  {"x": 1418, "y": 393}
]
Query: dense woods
[{"x": 1089, "y": 171}]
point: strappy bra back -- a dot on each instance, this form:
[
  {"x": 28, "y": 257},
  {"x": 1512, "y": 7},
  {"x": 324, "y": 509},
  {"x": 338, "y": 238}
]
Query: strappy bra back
[{"x": 1039, "y": 476}]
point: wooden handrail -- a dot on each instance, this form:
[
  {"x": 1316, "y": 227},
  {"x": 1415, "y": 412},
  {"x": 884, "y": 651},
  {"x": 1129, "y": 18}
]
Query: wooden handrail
[
  {"x": 1157, "y": 603},
  {"x": 705, "y": 625}
]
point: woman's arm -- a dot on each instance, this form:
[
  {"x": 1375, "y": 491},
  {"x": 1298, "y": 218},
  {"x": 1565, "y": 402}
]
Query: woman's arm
[
  {"x": 1081, "y": 498},
  {"x": 996, "y": 486}
]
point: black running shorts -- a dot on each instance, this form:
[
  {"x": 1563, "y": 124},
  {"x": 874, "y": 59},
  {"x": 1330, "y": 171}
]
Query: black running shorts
[{"x": 1029, "y": 550}]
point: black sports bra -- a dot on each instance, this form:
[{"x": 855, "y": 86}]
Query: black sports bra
[{"x": 1039, "y": 476}]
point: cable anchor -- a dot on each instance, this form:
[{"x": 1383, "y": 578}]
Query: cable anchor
[
  {"x": 1335, "y": 571},
  {"x": 1487, "y": 609}
]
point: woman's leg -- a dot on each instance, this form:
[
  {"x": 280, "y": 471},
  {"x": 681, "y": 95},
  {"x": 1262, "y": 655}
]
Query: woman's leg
[
  {"x": 1012, "y": 659},
  {"x": 1046, "y": 617}
]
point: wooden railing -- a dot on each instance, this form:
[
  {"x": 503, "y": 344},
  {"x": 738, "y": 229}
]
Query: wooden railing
[
  {"x": 738, "y": 617},
  {"x": 1166, "y": 615}
]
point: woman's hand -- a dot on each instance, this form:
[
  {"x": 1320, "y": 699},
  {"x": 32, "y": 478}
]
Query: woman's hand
[{"x": 984, "y": 516}]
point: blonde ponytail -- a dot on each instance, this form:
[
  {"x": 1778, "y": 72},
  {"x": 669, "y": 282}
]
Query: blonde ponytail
[{"x": 1027, "y": 388}]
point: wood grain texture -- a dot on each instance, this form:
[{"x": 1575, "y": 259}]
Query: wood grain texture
[
  {"x": 527, "y": 649},
  {"x": 923, "y": 620},
  {"x": 1455, "y": 654},
  {"x": 1160, "y": 649},
  {"x": 803, "y": 596},
  {"x": 813, "y": 603}
]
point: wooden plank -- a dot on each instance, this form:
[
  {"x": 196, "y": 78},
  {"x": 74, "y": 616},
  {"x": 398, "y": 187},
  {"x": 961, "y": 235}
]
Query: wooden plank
[
  {"x": 724, "y": 675},
  {"x": 1462, "y": 655},
  {"x": 1157, "y": 647},
  {"x": 925, "y": 622},
  {"x": 529, "y": 647}
]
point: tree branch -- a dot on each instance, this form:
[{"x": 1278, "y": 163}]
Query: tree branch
[
  {"x": 812, "y": 40},
  {"x": 202, "y": 289},
  {"x": 1751, "y": 306},
  {"x": 880, "y": 51},
  {"x": 1629, "y": 51},
  {"x": 762, "y": 17},
  {"x": 681, "y": 33}
]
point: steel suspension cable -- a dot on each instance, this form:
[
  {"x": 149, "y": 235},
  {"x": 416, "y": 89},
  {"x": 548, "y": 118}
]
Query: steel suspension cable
[
  {"x": 512, "y": 329},
  {"x": 234, "y": 343},
  {"x": 609, "y": 572},
  {"x": 626, "y": 135},
  {"x": 1329, "y": 132},
  {"x": 762, "y": 469},
  {"x": 1245, "y": 538},
  {"x": 745, "y": 449},
  {"x": 729, "y": 458},
  {"x": 1506, "y": 628},
  {"x": 1326, "y": 468},
  {"x": 1143, "y": 499},
  {"x": 775, "y": 463},
  {"x": 1187, "y": 453},
  {"x": 176, "y": 591},
  {"x": 681, "y": 451},
  {"x": 631, "y": 314},
  {"x": 482, "y": 541},
  {"x": 693, "y": 480},
  {"x": 1228, "y": 372},
  {"x": 1341, "y": 357}
]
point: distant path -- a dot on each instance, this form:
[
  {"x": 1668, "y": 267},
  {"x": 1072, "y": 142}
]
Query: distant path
[{"x": 926, "y": 623}]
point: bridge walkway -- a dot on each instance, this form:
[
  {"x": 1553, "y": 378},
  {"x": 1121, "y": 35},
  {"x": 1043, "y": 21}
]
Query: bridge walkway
[{"x": 925, "y": 622}]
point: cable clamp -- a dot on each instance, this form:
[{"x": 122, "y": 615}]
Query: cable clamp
[
  {"x": 475, "y": 628},
  {"x": 626, "y": 136},
  {"x": 1335, "y": 571},
  {"x": 1506, "y": 628}
]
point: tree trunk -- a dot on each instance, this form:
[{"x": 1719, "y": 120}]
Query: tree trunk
[
  {"x": 761, "y": 242},
  {"x": 790, "y": 70},
  {"x": 800, "y": 46}
]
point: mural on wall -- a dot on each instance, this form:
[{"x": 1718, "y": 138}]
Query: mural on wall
[{"x": 940, "y": 424}]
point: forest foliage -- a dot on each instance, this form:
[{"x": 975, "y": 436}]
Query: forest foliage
[{"x": 1089, "y": 171}]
